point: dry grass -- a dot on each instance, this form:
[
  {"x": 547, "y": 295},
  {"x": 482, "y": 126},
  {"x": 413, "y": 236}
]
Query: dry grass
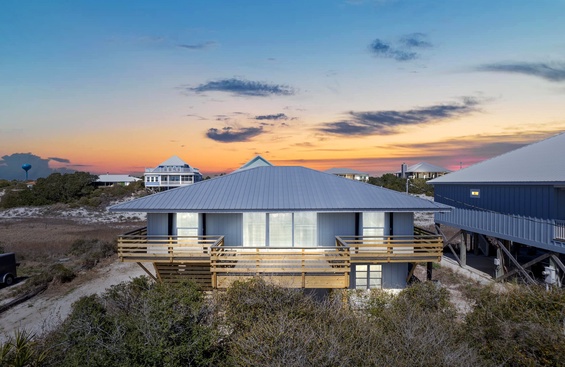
[{"x": 41, "y": 243}]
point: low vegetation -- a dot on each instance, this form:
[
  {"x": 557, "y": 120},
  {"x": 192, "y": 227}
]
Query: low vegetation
[
  {"x": 142, "y": 323},
  {"x": 75, "y": 189},
  {"x": 392, "y": 182}
]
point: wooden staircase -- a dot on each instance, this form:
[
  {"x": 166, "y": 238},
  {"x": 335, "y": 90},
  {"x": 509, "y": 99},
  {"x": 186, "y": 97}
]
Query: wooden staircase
[{"x": 199, "y": 273}]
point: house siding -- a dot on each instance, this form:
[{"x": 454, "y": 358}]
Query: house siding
[
  {"x": 158, "y": 224},
  {"x": 394, "y": 275},
  {"x": 560, "y": 204},
  {"x": 403, "y": 223},
  {"x": 536, "y": 201},
  {"x": 229, "y": 225},
  {"x": 331, "y": 225}
]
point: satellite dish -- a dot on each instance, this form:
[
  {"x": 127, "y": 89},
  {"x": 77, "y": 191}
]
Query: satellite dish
[{"x": 26, "y": 167}]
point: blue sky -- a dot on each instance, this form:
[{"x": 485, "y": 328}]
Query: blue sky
[{"x": 117, "y": 86}]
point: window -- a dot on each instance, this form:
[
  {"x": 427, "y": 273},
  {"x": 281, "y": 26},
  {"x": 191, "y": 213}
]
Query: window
[
  {"x": 280, "y": 229},
  {"x": 254, "y": 229},
  {"x": 368, "y": 276},
  {"x": 476, "y": 193},
  {"x": 305, "y": 229},
  {"x": 187, "y": 224},
  {"x": 373, "y": 224}
]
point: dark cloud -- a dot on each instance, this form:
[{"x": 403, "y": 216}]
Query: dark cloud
[
  {"x": 554, "y": 72},
  {"x": 388, "y": 122},
  {"x": 198, "y": 46},
  {"x": 382, "y": 49},
  {"x": 240, "y": 87},
  {"x": 232, "y": 135},
  {"x": 278, "y": 116},
  {"x": 11, "y": 166},
  {"x": 61, "y": 160},
  {"x": 415, "y": 40},
  {"x": 403, "y": 50}
]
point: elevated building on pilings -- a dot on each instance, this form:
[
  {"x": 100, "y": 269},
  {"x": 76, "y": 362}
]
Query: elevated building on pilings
[{"x": 512, "y": 205}]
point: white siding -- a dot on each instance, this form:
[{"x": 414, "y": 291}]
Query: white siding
[
  {"x": 331, "y": 225},
  {"x": 227, "y": 225},
  {"x": 157, "y": 224}
]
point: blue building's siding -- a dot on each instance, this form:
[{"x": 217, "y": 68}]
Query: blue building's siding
[
  {"x": 521, "y": 213},
  {"x": 560, "y": 204},
  {"x": 536, "y": 201}
]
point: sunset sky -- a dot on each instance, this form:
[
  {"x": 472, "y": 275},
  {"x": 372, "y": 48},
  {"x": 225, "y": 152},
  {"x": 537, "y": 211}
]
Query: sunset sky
[{"x": 118, "y": 86}]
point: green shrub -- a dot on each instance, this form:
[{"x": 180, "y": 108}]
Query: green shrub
[
  {"x": 520, "y": 327},
  {"x": 21, "y": 350},
  {"x": 137, "y": 324},
  {"x": 61, "y": 274}
]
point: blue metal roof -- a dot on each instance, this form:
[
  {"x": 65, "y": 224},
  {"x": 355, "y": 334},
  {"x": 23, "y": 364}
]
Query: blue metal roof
[
  {"x": 540, "y": 163},
  {"x": 272, "y": 189}
]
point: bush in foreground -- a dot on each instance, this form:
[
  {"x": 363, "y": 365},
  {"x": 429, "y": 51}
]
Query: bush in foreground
[
  {"x": 136, "y": 324},
  {"x": 521, "y": 327},
  {"x": 254, "y": 323}
]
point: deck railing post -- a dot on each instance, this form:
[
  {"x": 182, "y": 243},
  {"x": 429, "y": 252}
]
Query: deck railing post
[
  {"x": 170, "y": 249},
  {"x": 303, "y": 273}
]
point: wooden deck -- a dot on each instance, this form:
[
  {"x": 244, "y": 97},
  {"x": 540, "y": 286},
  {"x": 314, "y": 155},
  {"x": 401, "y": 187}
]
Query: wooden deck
[{"x": 207, "y": 261}]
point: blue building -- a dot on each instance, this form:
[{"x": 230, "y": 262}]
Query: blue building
[{"x": 515, "y": 199}]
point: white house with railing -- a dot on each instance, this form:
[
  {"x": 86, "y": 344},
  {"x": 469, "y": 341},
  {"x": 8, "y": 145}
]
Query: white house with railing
[
  {"x": 293, "y": 226},
  {"x": 172, "y": 173}
]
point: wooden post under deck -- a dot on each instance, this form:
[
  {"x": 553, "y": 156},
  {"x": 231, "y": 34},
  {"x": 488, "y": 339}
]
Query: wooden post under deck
[{"x": 463, "y": 248}]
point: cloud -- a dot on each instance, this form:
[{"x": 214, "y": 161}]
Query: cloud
[
  {"x": 198, "y": 46},
  {"x": 554, "y": 72},
  {"x": 403, "y": 50},
  {"x": 241, "y": 87},
  {"x": 450, "y": 153},
  {"x": 11, "y": 166},
  {"x": 278, "y": 116},
  {"x": 388, "y": 122},
  {"x": 232, "y": 135},
  {"x": 415, "y": 40},
  {"x": 382, "y": 49},
  {"x": 61, "y": 160}
]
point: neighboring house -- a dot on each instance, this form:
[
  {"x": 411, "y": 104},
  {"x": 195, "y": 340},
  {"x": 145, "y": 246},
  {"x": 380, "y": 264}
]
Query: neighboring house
[
  {"x": 295, "y": 226},
  {"x": 517, "y": 198},
  {"x": 172, "y": 173},
  {"x": 111, "y": 180},
  {"x": 258, "y": 161},
  {"x": 423, "y": 170},
  {"x": 349, "y": 173}
]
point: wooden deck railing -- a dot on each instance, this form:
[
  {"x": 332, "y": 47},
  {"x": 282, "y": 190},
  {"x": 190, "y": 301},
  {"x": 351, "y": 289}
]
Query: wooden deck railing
[
  {"x": 397, "y": 248},
  {"x": 309, "y": 267},
  {"x": 315, "y": 267},
  {"x": 137, "y": 246}
]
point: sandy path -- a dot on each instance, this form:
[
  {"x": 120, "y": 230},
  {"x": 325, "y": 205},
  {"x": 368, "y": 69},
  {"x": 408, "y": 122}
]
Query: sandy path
[{"x": 47, "y": 310}]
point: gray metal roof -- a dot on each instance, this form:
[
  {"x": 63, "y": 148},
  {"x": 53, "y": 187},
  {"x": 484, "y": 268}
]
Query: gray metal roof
[
  {"x": 257, "y": 161},
  {"x": 425, "y": 167},
  {"x": 540, "y": 162},
  {"x": 345, "y": 171},
  {"x": 116, "y": 178},
  {"x": 173, "y": 161},
  {"x": 274, "y": 189}
]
